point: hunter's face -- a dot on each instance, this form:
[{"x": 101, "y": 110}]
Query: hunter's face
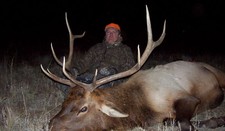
[{"x": 112, "y": 35}]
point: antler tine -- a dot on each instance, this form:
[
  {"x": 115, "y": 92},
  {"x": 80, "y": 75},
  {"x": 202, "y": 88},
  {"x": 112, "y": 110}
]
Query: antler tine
[
  {"x": 89, "y": 87},
  {"x": 149, "y": 48},
  {"x": 56, "y": 78},
  {"x": 139, "y": 56},
  {"x": 54, "y": 55},
  {"x": 151, "y": 44},
  {"x": 71, "y": 46}
]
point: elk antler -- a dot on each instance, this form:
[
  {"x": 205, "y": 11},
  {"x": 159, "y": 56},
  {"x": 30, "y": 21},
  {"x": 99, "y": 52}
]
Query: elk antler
[
  {"x": 71, "y": 46},
  {"x": 90, "y": 87},
  {"x": 149, "y": 48}
]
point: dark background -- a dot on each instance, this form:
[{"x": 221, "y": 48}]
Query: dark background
[{"x": 193, "y": 26}]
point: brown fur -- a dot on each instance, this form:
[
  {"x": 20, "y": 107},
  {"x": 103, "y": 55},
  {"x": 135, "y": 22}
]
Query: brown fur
[
  {"x": 119, "y": 96},
  {"x": 134, "y": 97}
]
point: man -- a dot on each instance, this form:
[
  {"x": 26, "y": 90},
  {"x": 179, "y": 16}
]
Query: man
[{"x": 109, "y": 57}]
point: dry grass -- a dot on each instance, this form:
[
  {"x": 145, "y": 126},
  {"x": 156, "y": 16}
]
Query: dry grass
[{"x": 28, "y": 99}]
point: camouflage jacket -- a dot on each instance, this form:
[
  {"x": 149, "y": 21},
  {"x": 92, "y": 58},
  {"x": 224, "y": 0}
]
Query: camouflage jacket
[{"x": 119, "y": 57}]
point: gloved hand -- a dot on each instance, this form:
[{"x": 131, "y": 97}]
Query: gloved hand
[
  {"x": 74, "y": 71},
  {"x": 86, "y": 78},
  {"x": 106, "y": 71}
]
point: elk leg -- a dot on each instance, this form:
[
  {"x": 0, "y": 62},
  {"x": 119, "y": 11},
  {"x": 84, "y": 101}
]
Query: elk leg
[{"x": 185, "y": 108}]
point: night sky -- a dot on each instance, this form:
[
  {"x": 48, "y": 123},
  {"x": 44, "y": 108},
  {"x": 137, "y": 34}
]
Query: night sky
[{"x": 29, "y": 26}]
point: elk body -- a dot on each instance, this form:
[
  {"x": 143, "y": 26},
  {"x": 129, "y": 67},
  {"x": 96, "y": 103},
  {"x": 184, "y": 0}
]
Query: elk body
[{"x": 178, "y": 90}]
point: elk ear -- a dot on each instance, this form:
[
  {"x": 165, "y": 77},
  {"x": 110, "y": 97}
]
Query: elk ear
[{"x": 112, "y": 112}]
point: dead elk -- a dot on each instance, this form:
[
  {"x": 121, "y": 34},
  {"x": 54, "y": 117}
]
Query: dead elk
[{"x": 178, "y": 90}]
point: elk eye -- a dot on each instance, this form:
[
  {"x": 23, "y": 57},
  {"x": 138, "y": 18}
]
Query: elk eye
[{"x": 83, "y": 109}]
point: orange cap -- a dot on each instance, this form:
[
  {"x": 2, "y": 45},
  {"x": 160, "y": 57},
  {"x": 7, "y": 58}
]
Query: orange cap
[{"x": 112, "y": 25}]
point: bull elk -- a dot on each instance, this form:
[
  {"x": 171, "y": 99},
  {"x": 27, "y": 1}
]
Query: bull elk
[{"x": 178, "y": 90}]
